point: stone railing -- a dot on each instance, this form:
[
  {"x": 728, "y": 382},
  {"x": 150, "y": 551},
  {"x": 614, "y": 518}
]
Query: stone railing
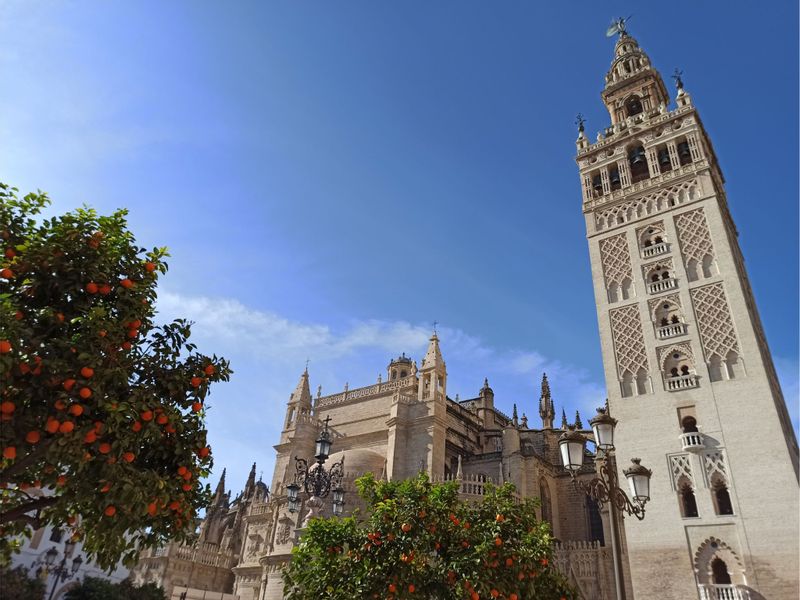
[
  {"x": 259, "y": 509},
  {"x": 692, "y": 440},
  {"x": 655, "y": 250},
  {"x": 681, "y": 382},
  {"x": 212, "y": 558},
  {"x": 662, "y": 285},
  {"x": 585, "y": 564},
  {"x": 717, "y": 591},
  {"x": 363, "y": 392},
  {"x": 672, "y": 330}
]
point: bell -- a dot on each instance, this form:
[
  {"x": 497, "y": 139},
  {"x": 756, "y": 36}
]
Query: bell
[
  {"x": 683, "y": 150},
  {"x": 663, "y": 158},
  {"x": 597, "y": 183},
  {"x": 614, "y": 177},
  {"x": 637, "y": 156}
]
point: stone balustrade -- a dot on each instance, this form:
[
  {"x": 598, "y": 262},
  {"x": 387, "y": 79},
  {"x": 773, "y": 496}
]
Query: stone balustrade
[
  {"x": 682, "y": 382},
  {"x": 672, "y": 330},
  {"x": 655, "y": 250},
  {"x": 717, "y": 591},
  {"x": 692, "y": 441}
]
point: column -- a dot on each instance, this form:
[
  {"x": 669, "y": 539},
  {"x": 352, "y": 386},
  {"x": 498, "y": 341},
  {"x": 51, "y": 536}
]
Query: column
[
  {"x": 694, "y": 147},
  {"x": 672, "y": 148},
  {"x": 624, "y": 172},
  {"x": 605, "y": 180},
  {"x": 652, "y": 162}
]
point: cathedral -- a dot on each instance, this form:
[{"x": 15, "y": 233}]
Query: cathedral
[{"x": 687, "y": 368}]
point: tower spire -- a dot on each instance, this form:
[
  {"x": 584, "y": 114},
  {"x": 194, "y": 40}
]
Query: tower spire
[
  {"x": 564, "y": 424},
  {"x": 251, "y": 481},
  {"x": 547, "y": 410},
  {"x": 219, "y": 494},
  {"x": 578, "y": 422},
  {"x": 514, "y": 417}
]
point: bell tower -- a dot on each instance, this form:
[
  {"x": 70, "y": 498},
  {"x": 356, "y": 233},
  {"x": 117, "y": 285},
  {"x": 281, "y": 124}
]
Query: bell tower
[{"x": 688, "y": 370}]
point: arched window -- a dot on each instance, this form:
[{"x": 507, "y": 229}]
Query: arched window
[
  {"x": 547, "y": 508},
  {"x": 595, "y": 522},
  {"x": 688, "y": 501},
  {"x": 403, "y": 374},
  {"x": 722, "y": 498},
  {"x": 633, "y": 105},
  {"x": 719, "y": 572},
  {"x": 689, "y": 424}
]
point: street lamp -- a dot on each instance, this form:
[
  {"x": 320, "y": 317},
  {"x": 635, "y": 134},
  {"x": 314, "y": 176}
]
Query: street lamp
[
  {"x": 61, "y": 572},
  {"x": 605, "y": 488},
  {"x": 317, "y": 481}
]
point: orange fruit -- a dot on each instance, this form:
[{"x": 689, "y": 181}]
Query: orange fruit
[
  {"x": 475, "y": 596},
  {"x": 203, "y": 452},
  {"x": 209, "y": 370},
  {"x": 544, "y": 562},
  {"x": 128, "y": 457},
  {"x": 126, "y": 283},
  {"x": 9, "y": 452},
  {"x": 187, "y": 476},
  {"x": 512, "y": 596},
  {"x": 10, "y": 253},
  {"x": 5, "y": 346},
  {"x": 174, "y": 505},
  {"x": 149, "y": 267},
  {"x": 33, "y": 437},
  {"x": 392, "y": 588},
  {"x": 147, "y": 415},
  {"x": 102, "y": 333},
  {"x": 411, "y": 588},
  {"x": 182, "y": 470},
  {"x": 499, "y": 518},
  {"x": 126, "y": 345},
  {"x": 104, "y": 448},
  {"x": 105, "y": 289},
  {"x": 61, "y": 480},
  {"x": 68, "y": 383},
  {"x": 110, "y": 510},
  {"x": 135, "y": 324},
  {"x": 187, "y": 487},
  {"x": 87, "y": 372},
  {"x": 7, "y": 273},
  {"x": 509, "y": 562},
  {"x": 76, "y": 410},
  {"x": 197, "y": 406},
  {"x": 52, "y": 425},
  {"x": 498, "y": 541},
  {"x": 66, "y": 427},
  {"x": 7, "y": 407},
  {"x": 137, "y": 426},
  {"x": 91, "y": 287},
  {"x": 152, "y": 509},
  {"x": 406, "y": 527},
  {"x": 162, "y": 419},
  {"x": 90, "y": 438},
  {"x": 19, "y": 315},
  {"x": 85, "y": 393},
  {"x": 196, "y": 381},
  {"x": 60, "y": 404},
  {"x": 106, "y": 487},
  {"x": 494, "y": 593},
  {"x": 132, "y": 333},
  {"x": 24, "y": 368}
]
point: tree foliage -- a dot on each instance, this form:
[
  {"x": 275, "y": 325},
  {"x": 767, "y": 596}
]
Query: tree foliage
[
  {"x": 16, "y": 584},
  {"x": 93, "y": 588},
  {"x": 421, "y": 541},
  {"x": 102, "y": 411}
]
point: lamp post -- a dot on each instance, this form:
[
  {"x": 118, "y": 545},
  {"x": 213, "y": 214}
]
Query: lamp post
[
  {"x": 61, "y": 572},
  {"x": 317, "y": 481},
  {"x": 605, "y": 488}
]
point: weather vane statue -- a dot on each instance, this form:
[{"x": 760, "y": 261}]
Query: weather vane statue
[{"x": 618, "y": 26}]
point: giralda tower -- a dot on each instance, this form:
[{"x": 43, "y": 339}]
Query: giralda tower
[{"x": 688, "y": 371}]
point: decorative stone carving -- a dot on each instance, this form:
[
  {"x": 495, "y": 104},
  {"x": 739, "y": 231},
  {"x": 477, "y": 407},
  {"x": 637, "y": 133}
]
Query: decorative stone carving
[
  {"x": 626, "y": 331},
  {"x": 649, "y": 204},
  {"x": 680, "y": 465},
  {"x": 616, "y": 259},
  {"x": 665, "y": 352},
  {"x": 715, "y": 465},
  {"x": 717, "y": 333},
  {"x": 694, "y": 236}
]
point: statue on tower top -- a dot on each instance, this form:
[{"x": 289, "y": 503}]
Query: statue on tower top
[{"x": 618, "y": 26}]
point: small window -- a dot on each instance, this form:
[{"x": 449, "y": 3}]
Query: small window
[
  {"x": 688, "y": 501},
  {"x": 722, "y": 499},
  {"x": 719, "y": 572},
  {"x": 689, "y": 424},
  {"x": 56, "y": 535},
  {"x": 633, "y": 105}
]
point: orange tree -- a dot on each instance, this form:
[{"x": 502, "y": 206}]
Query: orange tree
[
  {"x": 420, "y": 541},
  {"x": 102, "y": 412}
]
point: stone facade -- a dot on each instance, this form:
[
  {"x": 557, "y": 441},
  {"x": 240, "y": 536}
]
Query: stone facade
[
  {"x": 393, "y": 429},
  {"x": 688, "y": 371}
]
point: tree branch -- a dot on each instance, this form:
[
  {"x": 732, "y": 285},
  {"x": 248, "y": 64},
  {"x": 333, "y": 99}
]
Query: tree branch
[{"x": 19, "y": 513}]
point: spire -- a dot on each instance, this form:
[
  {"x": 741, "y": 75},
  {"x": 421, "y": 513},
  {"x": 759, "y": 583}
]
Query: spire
[
  {"x": 433, "y": 357},
  {"x": 219, "y": 494},
  {"x": 547, "y": 410},
  {"x": 514, "y": 417},
  {"x": 302, "y": 393},
  {"x": 251, "y": 481},
  {"x": 578, "y": 422},
  {"x": 564, "y": 424}
]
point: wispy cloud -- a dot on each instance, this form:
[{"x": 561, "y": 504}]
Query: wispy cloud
[{"x": 268, "y": 352}]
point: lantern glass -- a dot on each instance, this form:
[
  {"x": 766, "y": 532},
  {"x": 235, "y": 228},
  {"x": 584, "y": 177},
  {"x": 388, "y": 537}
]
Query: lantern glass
[
  {"x": 292, "y": 491},
  {"x": 572, "y": 449},
  {"x": 294, "y": 505},
  {"x": 604, "y": 435},
  {"x": 337, "y": 509},
  {"x": 323, "y": 447},
  {"x": 69, "y": 546},
  {"x": 639, "y": 481},
  {"x": 50, "y": 556},
  {"x": 338, "y": 495},
  {"x": 76, "y": 564}
]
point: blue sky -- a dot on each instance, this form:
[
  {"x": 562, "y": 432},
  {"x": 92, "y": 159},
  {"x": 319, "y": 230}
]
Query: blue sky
[{"x": 333, "y": 177}]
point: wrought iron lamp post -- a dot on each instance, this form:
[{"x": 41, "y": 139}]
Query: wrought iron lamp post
[
  {"x": 317, "y": 481},
  {"x": 61, "y": 572},
  {"x": 605, "y": 488}
]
